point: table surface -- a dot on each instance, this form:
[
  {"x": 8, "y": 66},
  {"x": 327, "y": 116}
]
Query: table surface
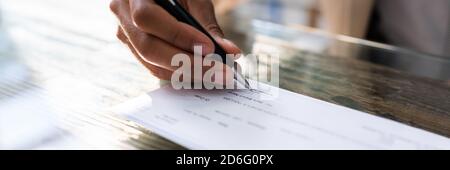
[{"x": 64, "y": 55}]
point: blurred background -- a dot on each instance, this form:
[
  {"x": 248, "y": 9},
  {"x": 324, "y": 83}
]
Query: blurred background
[
  {"x": 62, "y": 68},
  {"x": 414, "y": 24}
]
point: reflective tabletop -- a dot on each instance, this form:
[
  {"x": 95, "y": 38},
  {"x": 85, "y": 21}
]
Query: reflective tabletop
[{"x": 62, "y": 73}]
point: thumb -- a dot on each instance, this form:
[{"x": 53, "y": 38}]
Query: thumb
[
  {"x": 218, "y": 35},
  {"x": 203, "y": 11},
  {"x": 226, "y": 44}
]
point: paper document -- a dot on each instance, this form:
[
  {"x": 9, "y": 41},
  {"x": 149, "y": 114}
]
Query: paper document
[{"x": 239, "y": 119}]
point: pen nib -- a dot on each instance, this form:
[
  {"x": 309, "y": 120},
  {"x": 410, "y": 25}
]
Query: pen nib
[
  {"x": 240, "y": 79},
  {"x": 247, "y": 85}
]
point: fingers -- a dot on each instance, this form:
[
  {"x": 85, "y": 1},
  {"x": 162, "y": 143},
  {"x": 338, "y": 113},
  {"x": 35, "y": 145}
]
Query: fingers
[
  {"x": 156, "y": 71},
  {"x": 153, "y": 19},
  {"x": 203, "y": 11},
  {"x": 165, "y": 74},
  {"x": 121, "y": 36},
  {"x": 152, "y": 49},
  {"x": 229, "y": 47}
]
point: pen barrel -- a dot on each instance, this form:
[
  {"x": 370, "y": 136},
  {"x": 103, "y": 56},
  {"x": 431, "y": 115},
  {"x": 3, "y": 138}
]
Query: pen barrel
[{"x": 177, "y": 11}]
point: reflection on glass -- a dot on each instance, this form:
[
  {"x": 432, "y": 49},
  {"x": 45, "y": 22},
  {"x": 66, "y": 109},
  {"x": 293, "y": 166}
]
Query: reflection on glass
[{"x": 25, "y": 120}]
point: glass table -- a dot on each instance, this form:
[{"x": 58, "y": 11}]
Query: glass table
[{"x": 62, "y": 73}]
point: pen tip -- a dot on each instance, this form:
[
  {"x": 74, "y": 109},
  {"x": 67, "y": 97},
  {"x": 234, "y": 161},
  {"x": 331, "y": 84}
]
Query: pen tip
[
  {"x": 241, "y": 80},
  {"x": 247, "y": 85}
]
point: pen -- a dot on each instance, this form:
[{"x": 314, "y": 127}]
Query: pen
[{"x": 177, "y": 11}]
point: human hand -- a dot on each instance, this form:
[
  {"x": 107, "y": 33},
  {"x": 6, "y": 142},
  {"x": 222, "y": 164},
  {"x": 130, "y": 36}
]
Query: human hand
[{"x": 154, "y": 36}]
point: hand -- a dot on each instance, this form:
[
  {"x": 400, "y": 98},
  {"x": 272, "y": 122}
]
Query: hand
[{"x": 154, "y": 36}]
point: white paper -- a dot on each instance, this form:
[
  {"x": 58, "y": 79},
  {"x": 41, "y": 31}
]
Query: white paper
[{"x": 239, "y": 120}]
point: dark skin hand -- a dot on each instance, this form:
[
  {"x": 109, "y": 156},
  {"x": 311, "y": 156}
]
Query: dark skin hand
[{"x": 154, "y": 36}]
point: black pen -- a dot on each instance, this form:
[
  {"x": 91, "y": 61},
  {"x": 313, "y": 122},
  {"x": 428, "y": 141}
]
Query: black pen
[{"x": 177, "y": 11}]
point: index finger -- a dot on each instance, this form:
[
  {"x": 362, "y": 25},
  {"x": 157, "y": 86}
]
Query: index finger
[{"x": 153, "y": 19}]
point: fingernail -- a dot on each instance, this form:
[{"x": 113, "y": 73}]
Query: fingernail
[
  {"x": 234, "y": 47},
  {"x": 230, "y": 43}
]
